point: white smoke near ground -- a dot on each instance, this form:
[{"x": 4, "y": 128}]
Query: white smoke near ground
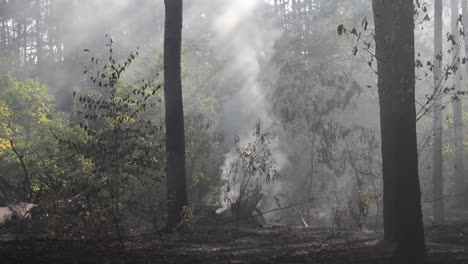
[{"x": 245, "y": 32}]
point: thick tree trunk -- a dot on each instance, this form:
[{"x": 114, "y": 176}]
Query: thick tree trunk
[
  {"x": 394, "y": 35},
  {"x": 175, "y": 138},
  {"x": 437, "y": 176},
  {"x": 457, "y": 106}
]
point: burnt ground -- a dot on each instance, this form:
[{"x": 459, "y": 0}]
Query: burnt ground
[{"x": 256, "y": 245}]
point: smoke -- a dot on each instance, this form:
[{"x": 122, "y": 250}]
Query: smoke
[
  {"x": 246, "y": 37},
  {"x": 244, "y": 32}
]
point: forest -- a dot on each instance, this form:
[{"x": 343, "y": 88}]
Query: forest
[{"x": 233, "y": 131}]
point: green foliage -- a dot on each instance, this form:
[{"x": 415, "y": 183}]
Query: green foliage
[
  {"x": 29, "y": 156},
  {"x": 119, "y": 140},
  {"x": 203, "y": 152},
  {"x": 204, "y": 146}
]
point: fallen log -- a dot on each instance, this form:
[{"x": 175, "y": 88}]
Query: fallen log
[
  {"x": 14, "y": 212},
  {"x": 244, "y": 212}
]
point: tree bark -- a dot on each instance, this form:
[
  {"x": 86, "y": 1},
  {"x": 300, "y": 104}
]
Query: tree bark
[
  {"x": 394, "y": 35},
  {"x": 39, "y": 40},
  {"x": 437, "y": 176},
  {"x": 25, "y": 44},
  {"x": 175, "y": 138},
  {"x": 3, "y": 35},
  {"x": 457, "y": 106},
  {"x": 465, "y": 27}
]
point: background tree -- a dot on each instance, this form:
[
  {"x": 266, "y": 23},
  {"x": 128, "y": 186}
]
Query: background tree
[
  {"x": 312, "y": 98},
  {"x": 457, "y": 103},
  {"x": 437, "y": 174},
  {"x": 465, "y": 39}
]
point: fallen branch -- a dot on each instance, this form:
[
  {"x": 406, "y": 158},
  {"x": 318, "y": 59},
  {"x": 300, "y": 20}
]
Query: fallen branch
[
  {"x": 276, "y": 209},
  {"x": 443, "y": 197},
  {"x": 324, "y": 241}
]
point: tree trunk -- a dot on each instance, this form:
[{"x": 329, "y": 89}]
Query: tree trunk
[
  {"x": 175, "y": 138},
  {"x": 18, "y": 48},
  {"x": 394, "y": 35},
  {"x": 437, "y": 177},
  {"x": 3, "y": 43},
  {"x": 39, "y": 40},
  {"x": 457, "y": 106},
  {"x": 25, "y": 44},
  {"x": 465, "y": 27}
]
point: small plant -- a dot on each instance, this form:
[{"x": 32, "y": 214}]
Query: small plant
[
  {"x": 250, "y": 163},
  {"x": 117, "y": 141},
  {"x": 187, "y": 219},
  {"x": 363, "y": 201}
]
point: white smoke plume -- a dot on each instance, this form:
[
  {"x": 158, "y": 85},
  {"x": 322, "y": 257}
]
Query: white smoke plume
[{"x": 245, "y": 32}]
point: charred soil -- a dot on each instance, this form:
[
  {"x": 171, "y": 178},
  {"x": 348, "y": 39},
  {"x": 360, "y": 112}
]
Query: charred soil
[{"x": 222, "y": 245}]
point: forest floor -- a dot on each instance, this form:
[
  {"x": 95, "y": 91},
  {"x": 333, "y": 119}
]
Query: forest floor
[{"x": 256, "y": 245}]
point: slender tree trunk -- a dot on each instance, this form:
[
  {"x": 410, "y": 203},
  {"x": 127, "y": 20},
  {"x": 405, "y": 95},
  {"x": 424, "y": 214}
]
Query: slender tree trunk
[
  {"x": 9, "y": 38},
  {"x": 3, "y": 43},
  {"x": 465, "y": 27},
  {"x": 294, "y": 10},
  {"x": 39, "y": 40},
  {"x": 457, "y": 106},
  {"x": 25, "y": 43},
  {"x": 394, "y": 35},
  {"x": 175, "y": 138},
  {"x": 437, "y": 176},
  {"x": 18, "y": 48}
]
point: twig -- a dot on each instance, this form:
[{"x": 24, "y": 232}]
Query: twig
[
  {"x": 442, "y": 198},
  {"x": 162, "y": 239},
  {"x": 276, "y": 209},
  {"x": 27, "y": 180},
  {"x": 324, "y": 241}
]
